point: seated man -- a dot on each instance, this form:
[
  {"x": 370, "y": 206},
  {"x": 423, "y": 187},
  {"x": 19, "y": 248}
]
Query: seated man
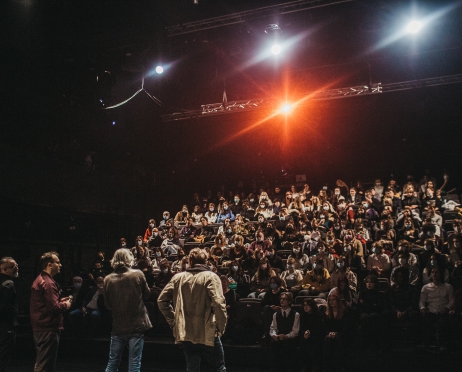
[
  {"x": 403, "y": 261},
  {"x": 378, "y": 263},
  {"x": 92, "y": 309},
  {"x": 317, "y": 281},
  {"x": 437, "y": 309},
  {"x": 284, "y": 331}
]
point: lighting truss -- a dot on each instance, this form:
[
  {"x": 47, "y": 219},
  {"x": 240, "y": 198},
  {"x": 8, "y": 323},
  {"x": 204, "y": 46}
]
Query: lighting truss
[
  {"x": 240, "y": 17},
  {"x": 268, "y": 103}
]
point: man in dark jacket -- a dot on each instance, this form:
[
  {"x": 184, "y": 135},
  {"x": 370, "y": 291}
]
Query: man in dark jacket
[
  {"x": 124, "y": 293},
  {"x": 8, "y": 309},
  {"x": 46, "y": 312}
]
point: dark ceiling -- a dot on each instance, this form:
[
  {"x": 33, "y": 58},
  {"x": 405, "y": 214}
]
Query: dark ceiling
[{"x": 60, "y": 59}]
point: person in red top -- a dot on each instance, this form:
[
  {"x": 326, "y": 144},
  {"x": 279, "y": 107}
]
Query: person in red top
[
  {"x": 148, "y": 232},
  {"x": 46, "y": 312}
]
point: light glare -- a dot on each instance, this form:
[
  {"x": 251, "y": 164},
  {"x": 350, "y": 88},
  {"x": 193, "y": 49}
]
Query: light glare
[
  {"x": 414, "y": 27},
  {"x": 286, "y": 108},
  {"x": 276, "y": 49},
  {"x": 159, "y": 69}
]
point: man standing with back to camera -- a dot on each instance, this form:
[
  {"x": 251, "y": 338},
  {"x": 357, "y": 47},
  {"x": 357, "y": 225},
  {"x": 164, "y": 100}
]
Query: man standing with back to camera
[
  {"x": 46, "y": 312},
  {"x": 124, "y": 293},
  {"x": 198, "y": 316}
]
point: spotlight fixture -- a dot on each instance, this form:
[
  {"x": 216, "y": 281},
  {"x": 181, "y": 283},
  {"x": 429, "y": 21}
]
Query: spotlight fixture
[{"x": 273, "y": 29}]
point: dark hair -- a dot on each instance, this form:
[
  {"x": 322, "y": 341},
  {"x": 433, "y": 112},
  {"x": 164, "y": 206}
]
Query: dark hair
[
  {"x": 404, "y": 271},
  {"x": 405, "y": 254},
  {"x": 277, "y": 280},
  {"x": 47, "y": 258},
  {"x": 314, "y": 306},
  {"x": 372, "y": 278}
]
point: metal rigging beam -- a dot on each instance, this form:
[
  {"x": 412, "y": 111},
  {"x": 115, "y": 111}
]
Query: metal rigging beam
[
  {"x": 268, "y": 103},
  {"x": 240, "y": 17}
]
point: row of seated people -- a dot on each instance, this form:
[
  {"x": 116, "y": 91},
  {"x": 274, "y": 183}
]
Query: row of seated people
[{"x": 318, "y": 333}]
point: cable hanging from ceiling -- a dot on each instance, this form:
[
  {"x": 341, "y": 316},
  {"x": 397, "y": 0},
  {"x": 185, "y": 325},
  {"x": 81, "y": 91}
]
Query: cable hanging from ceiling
[{"x": 155, "y": 99}]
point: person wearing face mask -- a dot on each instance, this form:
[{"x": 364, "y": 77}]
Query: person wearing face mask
[
  {"x": 211, "y": 213},
  {"x": 378, "y": 263},
  {"x": 8, "y": 310},
  {"x": 403, "y": 261},
  {"x": 349, "y": 239},
  {"x": 158, "y": 258},
  {"x": 260, "y": 281},
  {"x": 236, "y": 206},
  {"x": 176, "y": 265},
  {"x": 316, "y": 282},
  {"x": 263, "y": 210},
  {"x": 171, "y": 243},
  {"x": 239, "y": 279},
  {"x": 183, "y": 215},
  {"x": 435, "y": 218},
  {"x": 302, "y": 260},
  {"x": 436, "y": 260},
  {"x": 138, "y": 243},
  {"x": 155, "y": 240},
  {"x": 341, "y": 269},
  {"x": 260, "y": 242},
  {"x": 354, "y": 261},
  {"x": 326, "y": 257},
  {"x": 197, "y": 214},
  {"x": 148, "y": 232},
  {"x": 188, "y": 231},
  {"x": 123, "y": 243},
  {"x": 165, "y": 218},
  {"x": 430, "y": 231},
  {"x": 225, "y": 213},
  {"x": 404, "y": 246},
  {"x": 408, "y": 231},
  {"x": 264, "y": 198},
  {"x": 292, "y": 277},
  {"x": 164, "y": 276}
]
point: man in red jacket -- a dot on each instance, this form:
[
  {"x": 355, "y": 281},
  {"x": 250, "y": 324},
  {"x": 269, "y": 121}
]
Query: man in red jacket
[{"x": 46, "y": 311}]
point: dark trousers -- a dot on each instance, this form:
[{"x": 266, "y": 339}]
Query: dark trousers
[
  {"x": 7, "y": 339},
  {"x": 213, "y": 354},
  {"x": 46, "y": 345},
  {"x": 284, "y": 354}
]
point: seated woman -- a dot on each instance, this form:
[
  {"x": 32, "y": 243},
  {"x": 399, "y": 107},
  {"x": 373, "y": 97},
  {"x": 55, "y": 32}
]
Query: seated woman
[
  {"x": 148, "y": 232},
  {"x": 344, "y": 291},
  {"x": 260, "y": 281},
  {"x": 342, "y": 269},
  {"x": 316, "y": 281},
  {"x": 183, "y": 215},
  {"x": 408, "y": 231},
  {"x": 188, "y": 231},
  {"x": 292, "y": 277},
  {"x": 171, "y": 244},
  {"x": 371, "y": 304},
  {"x": 436, "y": 260},
  {"x": 337, "y": 334},
  {"x": 176, "y": 265},
  {"x": 311, "y": 336},
  {"x": 211, "y": 214},
  {"x": 196, "y": 215},
  {"x": 159, "y": 257},
  {"x": 299, "y": 257},
  {"x": 378, "y": 263},
  {"x": 324, "y": 255},
  {"x": 264, "y": 210},
  {"x": 238, "y": 280},
  {"x": 403, "y": 298},
  {"x": 141, "y": 253},
  {"x": 225, "y": 213}
]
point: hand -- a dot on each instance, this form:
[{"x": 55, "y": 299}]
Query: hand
[
  {"x": 444, "y": 311},
  {"x": 84, "y": 311},
  {"x": 332, "y": 334},
  {"x": 283, "y": 337},
  {"x": 275, "y": 337},
  {"x": 423, "y": 312},
  {"x": 306, "y": 335}
]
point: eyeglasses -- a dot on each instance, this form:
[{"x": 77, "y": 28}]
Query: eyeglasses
[{"x": 11, "y": 267}]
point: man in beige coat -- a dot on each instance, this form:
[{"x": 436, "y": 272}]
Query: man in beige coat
[{"x": 198, "y": 316}]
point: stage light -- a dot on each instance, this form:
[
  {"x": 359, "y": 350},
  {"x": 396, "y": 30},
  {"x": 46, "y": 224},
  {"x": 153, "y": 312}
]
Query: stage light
[
  {"x": 276, "y": 49},
  {"x": 286, "y": 108},
  {"x": 414, "y": 27},
  {"x": 113, "y": 123},
  {"x": 159, "y": 69}
]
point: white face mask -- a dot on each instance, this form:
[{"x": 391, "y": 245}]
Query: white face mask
[
  {"x": 164, "y": 271},
  {"x": 186, "y": 266},
  {"x": 140, "y": 242},
  {"x": 235, "y": 268},
  {"x": 325, "y": 208},
  {"x": 402, "y": 261},
  {"x": 211, "y": 209},
  {"x": 124, "y": 245}
]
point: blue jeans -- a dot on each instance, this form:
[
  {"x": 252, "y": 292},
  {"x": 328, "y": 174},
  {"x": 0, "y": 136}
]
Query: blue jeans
[
  {"x": 213, "y": 354},
  {"x": 135, "y": 343}
]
